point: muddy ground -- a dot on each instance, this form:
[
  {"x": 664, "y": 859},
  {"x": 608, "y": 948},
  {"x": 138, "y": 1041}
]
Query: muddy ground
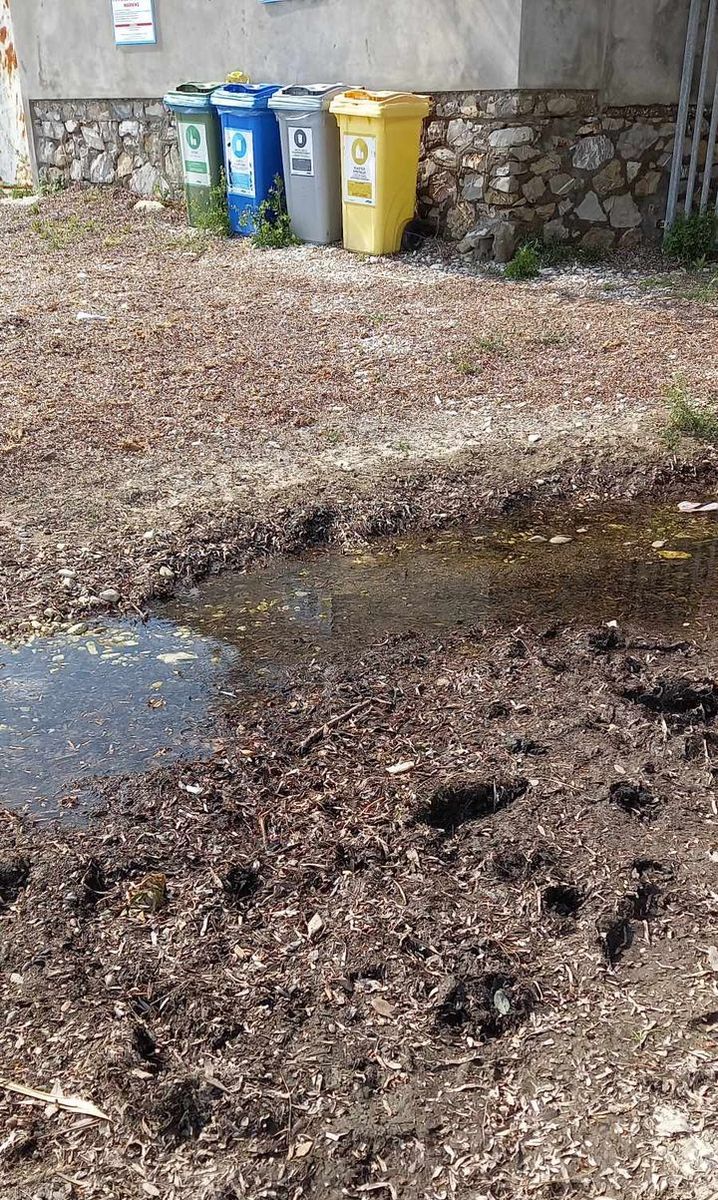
[
  {"x": 460, "y": 943},
  {"x": 439, "y": 924}
]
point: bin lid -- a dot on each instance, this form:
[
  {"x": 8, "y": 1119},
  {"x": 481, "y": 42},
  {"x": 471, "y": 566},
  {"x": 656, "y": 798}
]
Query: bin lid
[
  {"x": 244, "y": 95},
  {"x": 360, "y": 103},
  {"x": 303, "y": 96},
  {"x": 195, "y": 96}
]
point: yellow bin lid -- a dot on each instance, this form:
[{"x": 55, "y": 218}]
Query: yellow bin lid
[{"x": 360, "y": 103}]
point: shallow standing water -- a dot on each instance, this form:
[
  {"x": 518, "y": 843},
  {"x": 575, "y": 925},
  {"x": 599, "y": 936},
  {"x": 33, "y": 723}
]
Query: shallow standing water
[{"x": 126, "y": 695}]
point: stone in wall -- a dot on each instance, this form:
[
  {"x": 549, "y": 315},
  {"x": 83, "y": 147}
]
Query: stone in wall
[
  {"x": 131, "y": 143},
  {"x": 528, "y": 162}
]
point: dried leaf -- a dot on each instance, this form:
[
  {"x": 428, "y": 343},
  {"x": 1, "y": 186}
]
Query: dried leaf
[
  {"x": 712, "y": 956},
  {"x": 673, "y": 554},
  {"x": 303, "y": 1148},
  {"x": 401, "y": 768},
  {"x": 56, "y": 1097},
  {"x": 382, "y": 1006}
]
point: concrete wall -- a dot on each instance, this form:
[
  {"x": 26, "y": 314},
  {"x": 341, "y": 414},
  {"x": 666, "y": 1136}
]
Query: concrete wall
[
  {"x": 67, "y": 50},
  {"x": 630, "y": 51}
]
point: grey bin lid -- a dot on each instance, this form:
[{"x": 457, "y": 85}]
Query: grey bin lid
[{"x": 302, "y": 97}]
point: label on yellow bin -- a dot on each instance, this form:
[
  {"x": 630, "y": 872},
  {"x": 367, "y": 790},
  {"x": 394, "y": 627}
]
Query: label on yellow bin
[{"x": 359, "y": 169}]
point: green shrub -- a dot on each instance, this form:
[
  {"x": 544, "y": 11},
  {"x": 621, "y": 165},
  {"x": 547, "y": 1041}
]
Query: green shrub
[
  {"x": 525, "y": 263},
  {"x": 691, "y": 239},
  {"x": 687, "y": 418},
  {"x": 272, "y": 226},
  {"x": 213, "y": 217}
]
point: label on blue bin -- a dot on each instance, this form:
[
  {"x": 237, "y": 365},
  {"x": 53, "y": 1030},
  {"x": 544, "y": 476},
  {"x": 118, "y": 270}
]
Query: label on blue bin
[
  {"x": 193, "y": 147},
  {"x": 239, "y": 146},
  {"x": 301, "y": 150}
]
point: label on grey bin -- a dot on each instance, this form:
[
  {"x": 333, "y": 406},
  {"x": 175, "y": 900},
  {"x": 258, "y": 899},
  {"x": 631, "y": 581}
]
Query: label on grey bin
[{"x": 301, "y": 150}]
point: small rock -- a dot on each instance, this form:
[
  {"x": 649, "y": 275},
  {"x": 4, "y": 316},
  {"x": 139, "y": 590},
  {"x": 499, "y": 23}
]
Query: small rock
[
  {"x": 109, "y": 596},
  {"x": 315, "y": 926},
  {"x": 148, "y": 206},
  {"x": 77, "y": 630},
  {"x": 67, "y": 573},
  {"x": 533, "y": 438},
  {"x": 167, "y": 573},
  {"x": 559, "y": 540},
  {"x": 592, "y": 152}
]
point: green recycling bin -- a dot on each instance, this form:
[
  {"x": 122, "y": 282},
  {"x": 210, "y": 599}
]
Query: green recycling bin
[{"x": 200, "y": 145}]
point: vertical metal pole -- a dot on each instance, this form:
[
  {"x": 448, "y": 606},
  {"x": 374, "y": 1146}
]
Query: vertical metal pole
[
  {"x": 700, "y": 103},
  {"x": 683, "y": 103},
  {"x": 710, "y": 149}
]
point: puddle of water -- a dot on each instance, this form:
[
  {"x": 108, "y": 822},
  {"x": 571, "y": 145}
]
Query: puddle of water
[
  {"x": 334, "y": 604},
  {"x": 115, "y": 700},
  {"x": 128, "y": 696}
]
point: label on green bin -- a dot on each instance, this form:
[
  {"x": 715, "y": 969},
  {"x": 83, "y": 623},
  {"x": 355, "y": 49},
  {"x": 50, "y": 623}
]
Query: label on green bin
[
  {"x": 193, "y": 147},
  {"x": 359, "y": 169}
]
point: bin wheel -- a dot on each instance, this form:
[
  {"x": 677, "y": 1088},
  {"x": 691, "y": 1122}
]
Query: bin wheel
[{"x": 416, "y": 233}]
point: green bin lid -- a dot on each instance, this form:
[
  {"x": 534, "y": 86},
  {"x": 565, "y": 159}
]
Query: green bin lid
[{"x": 191, "y": 96}]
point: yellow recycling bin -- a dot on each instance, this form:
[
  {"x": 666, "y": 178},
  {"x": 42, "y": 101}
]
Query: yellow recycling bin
[{"x": 380, "y": 140}]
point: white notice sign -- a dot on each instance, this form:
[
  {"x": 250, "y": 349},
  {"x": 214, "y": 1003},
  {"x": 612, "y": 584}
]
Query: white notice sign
[{"x": 134, "y": 22}]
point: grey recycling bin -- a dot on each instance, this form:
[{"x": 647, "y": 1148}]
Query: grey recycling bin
[{"x": 310, "y": 155}]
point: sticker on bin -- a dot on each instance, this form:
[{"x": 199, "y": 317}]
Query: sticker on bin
[
  {"x": 193, "y": 141},
  {"x": 359, "y": 169},
  {"x": 240, "y": 162},
  {"x": 301, "y": 147}
]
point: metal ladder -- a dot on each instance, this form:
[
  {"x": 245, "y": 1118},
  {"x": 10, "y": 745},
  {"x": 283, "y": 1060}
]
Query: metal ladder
[{"x": 693, "y": 198}]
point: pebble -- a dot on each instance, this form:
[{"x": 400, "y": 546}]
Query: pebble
[
  {"x": 76, "y": 630},
  {"x": 559, "y": 540},
  {"x": 167, "y": 573},
  {"x": 109, "y": 596},
  {"x": 148, "y": 206},
  {"x": 533, "y": 438},
  {"x": 537, "y": 538},
  {"x": 67, "y": 573}
]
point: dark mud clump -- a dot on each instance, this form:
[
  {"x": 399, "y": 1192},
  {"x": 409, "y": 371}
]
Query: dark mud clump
[
  {"x": 240, "y": 884},
  {"x": 604, "y": 641},
  {"x": 183, "y": 1111},
  {"x": 683, "y": 698},
  {"x": 633, "y": 798},
  {"x": 514, "y": 866},
  {"x": 562, "y": 899},
  {"x": 486, "y": 1006},
  {"x": 13, "y": 878},
  {"x": 470, "y": 800},
  {"x": 525, "y": 745}
]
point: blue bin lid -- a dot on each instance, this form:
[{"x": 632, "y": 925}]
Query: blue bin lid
[
  {"x": 191, "y": 97},
  {"x": 244, "y": 95}
]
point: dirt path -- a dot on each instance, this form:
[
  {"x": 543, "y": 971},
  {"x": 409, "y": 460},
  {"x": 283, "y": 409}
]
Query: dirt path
[{"x": 227, "y": 382}]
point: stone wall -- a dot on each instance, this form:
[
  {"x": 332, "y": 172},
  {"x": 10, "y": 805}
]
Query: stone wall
[
  {"x": 497, "y": 167},
  {"x": 128, "y": 142}
]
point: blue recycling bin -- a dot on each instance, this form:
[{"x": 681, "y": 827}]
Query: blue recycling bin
[{"x": 252, "y": 149}]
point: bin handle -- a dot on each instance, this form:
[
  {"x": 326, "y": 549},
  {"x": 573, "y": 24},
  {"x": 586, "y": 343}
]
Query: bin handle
[{"x": 298, "y": 90}]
